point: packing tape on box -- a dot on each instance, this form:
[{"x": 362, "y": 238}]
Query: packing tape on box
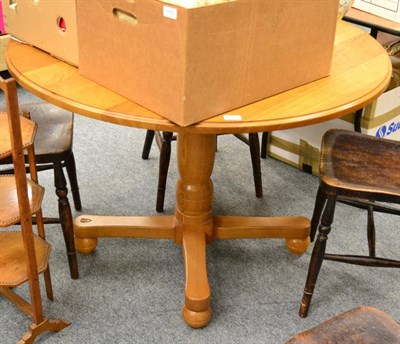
[{"x": 308, "y": 155}]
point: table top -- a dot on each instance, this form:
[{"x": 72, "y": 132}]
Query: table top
[
  {"x": 372, "y": 21},
  {"x": 360, "y": 72}
]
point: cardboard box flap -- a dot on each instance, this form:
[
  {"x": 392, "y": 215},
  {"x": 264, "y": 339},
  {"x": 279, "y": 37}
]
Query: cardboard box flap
[
  {"x": 151, "y": 33},
  {"x": 195, "y": 3},
  {"x": 47, "y": 24},
  {"x": 191, "y": 64}
]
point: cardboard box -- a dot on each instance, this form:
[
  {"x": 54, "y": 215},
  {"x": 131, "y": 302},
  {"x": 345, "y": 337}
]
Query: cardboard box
[
  {"x": 300, "y": 147},
  {"x": 191, "y": 64},
  {"x": 3, "y": 44},
  {"x": 388, "y": 9},
  {"x": 47, "y": 24}
]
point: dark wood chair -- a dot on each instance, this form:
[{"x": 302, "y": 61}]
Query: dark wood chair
[
  {"x": 361, "y": 325},
  {"x": 53, "y": 150},
  {"x": 360, "y": 170},
  {"x": 164, "y": 139}
]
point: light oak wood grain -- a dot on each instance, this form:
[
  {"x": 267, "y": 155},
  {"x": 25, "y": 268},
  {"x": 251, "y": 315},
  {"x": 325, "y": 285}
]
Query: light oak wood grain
[
  {"x": 28, "y": 132},
  {"x": 9, "y": 206},
  {"x": 360, "y": 72},
  {"x": 13, "y": 273}
]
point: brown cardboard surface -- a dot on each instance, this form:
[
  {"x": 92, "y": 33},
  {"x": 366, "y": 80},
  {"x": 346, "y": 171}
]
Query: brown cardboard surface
[
  {"x": 3, "y": 44},
  {"x": 207, "y": 60},
  {"x": 36, "y": 23},
  {"x": 194, "y": 3}
]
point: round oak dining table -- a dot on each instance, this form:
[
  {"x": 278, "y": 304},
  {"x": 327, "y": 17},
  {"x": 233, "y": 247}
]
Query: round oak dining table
[{"x": 360, "y": 72}]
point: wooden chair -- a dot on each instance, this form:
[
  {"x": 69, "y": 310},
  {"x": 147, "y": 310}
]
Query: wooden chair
[
  {"x": 23, "y": 255},
  {"x": 360, "y": 170},
  {"x": 53, "y": 150},
  {"x": 163, "y": 140},
  {"x": 361, "y": 325}
]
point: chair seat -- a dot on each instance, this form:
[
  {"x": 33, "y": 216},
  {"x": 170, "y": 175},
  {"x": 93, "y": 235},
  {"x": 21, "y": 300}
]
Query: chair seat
[
  {"x": 28, "y": 131},
  {"x": 9, "y": 206},
  {"x": 362, "y": 325},
  {"x": 353, "y": 163},
  {"x": 13, "y": 257}
]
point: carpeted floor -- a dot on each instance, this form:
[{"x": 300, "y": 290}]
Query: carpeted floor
[{"x": 132, "y": 290}]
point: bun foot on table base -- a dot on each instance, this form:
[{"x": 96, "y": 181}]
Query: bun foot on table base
[
  {"x": 297, "y": 246},
  {"x": 85, "y": 246},
  {"x": 197, "y": 311},
  {"x": 87, "y": 228},
  {"x": 193, "y": 225},
  {"x": 194, "y": 239},
  {"x": 196, "y": 319}
]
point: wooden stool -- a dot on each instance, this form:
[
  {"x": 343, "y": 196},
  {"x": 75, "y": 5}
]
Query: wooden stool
[
  {"x": 23, "y": 254},
  {"x": 164, "y": 139},
  {"x": 362, "y": 325},
  {"x": 356, "y": 167},
  {"x": 53, "y": 150}
]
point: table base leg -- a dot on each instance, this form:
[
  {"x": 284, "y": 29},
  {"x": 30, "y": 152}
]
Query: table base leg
[
  {"x": 196, "y": 311},
  {"x": 55, "y": 325},
  {"x": 295, "y": 229},
  {"x": 88, "y": 228}
]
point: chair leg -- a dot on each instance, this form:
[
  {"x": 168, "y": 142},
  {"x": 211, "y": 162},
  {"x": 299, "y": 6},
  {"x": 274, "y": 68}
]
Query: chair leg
[
  {"x": 148, "y": 141},
  {"x": 73, "y": 181},
  {"x": 264, "y": 143},
  {"x": 165, "y": 156},
  {"x": 371, "y": 231},
  {"x": 64, "y": 211},
  {"x": 254, "y": 144},
  {"x": 47, "y": 276},
  {"x": 317, "y": 255},
  {"x": 320, "y": 202}
]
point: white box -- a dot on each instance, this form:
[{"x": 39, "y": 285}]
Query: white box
[
  {"x": 388, "y": 9},
  {"x": 300, "y": 147}
]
